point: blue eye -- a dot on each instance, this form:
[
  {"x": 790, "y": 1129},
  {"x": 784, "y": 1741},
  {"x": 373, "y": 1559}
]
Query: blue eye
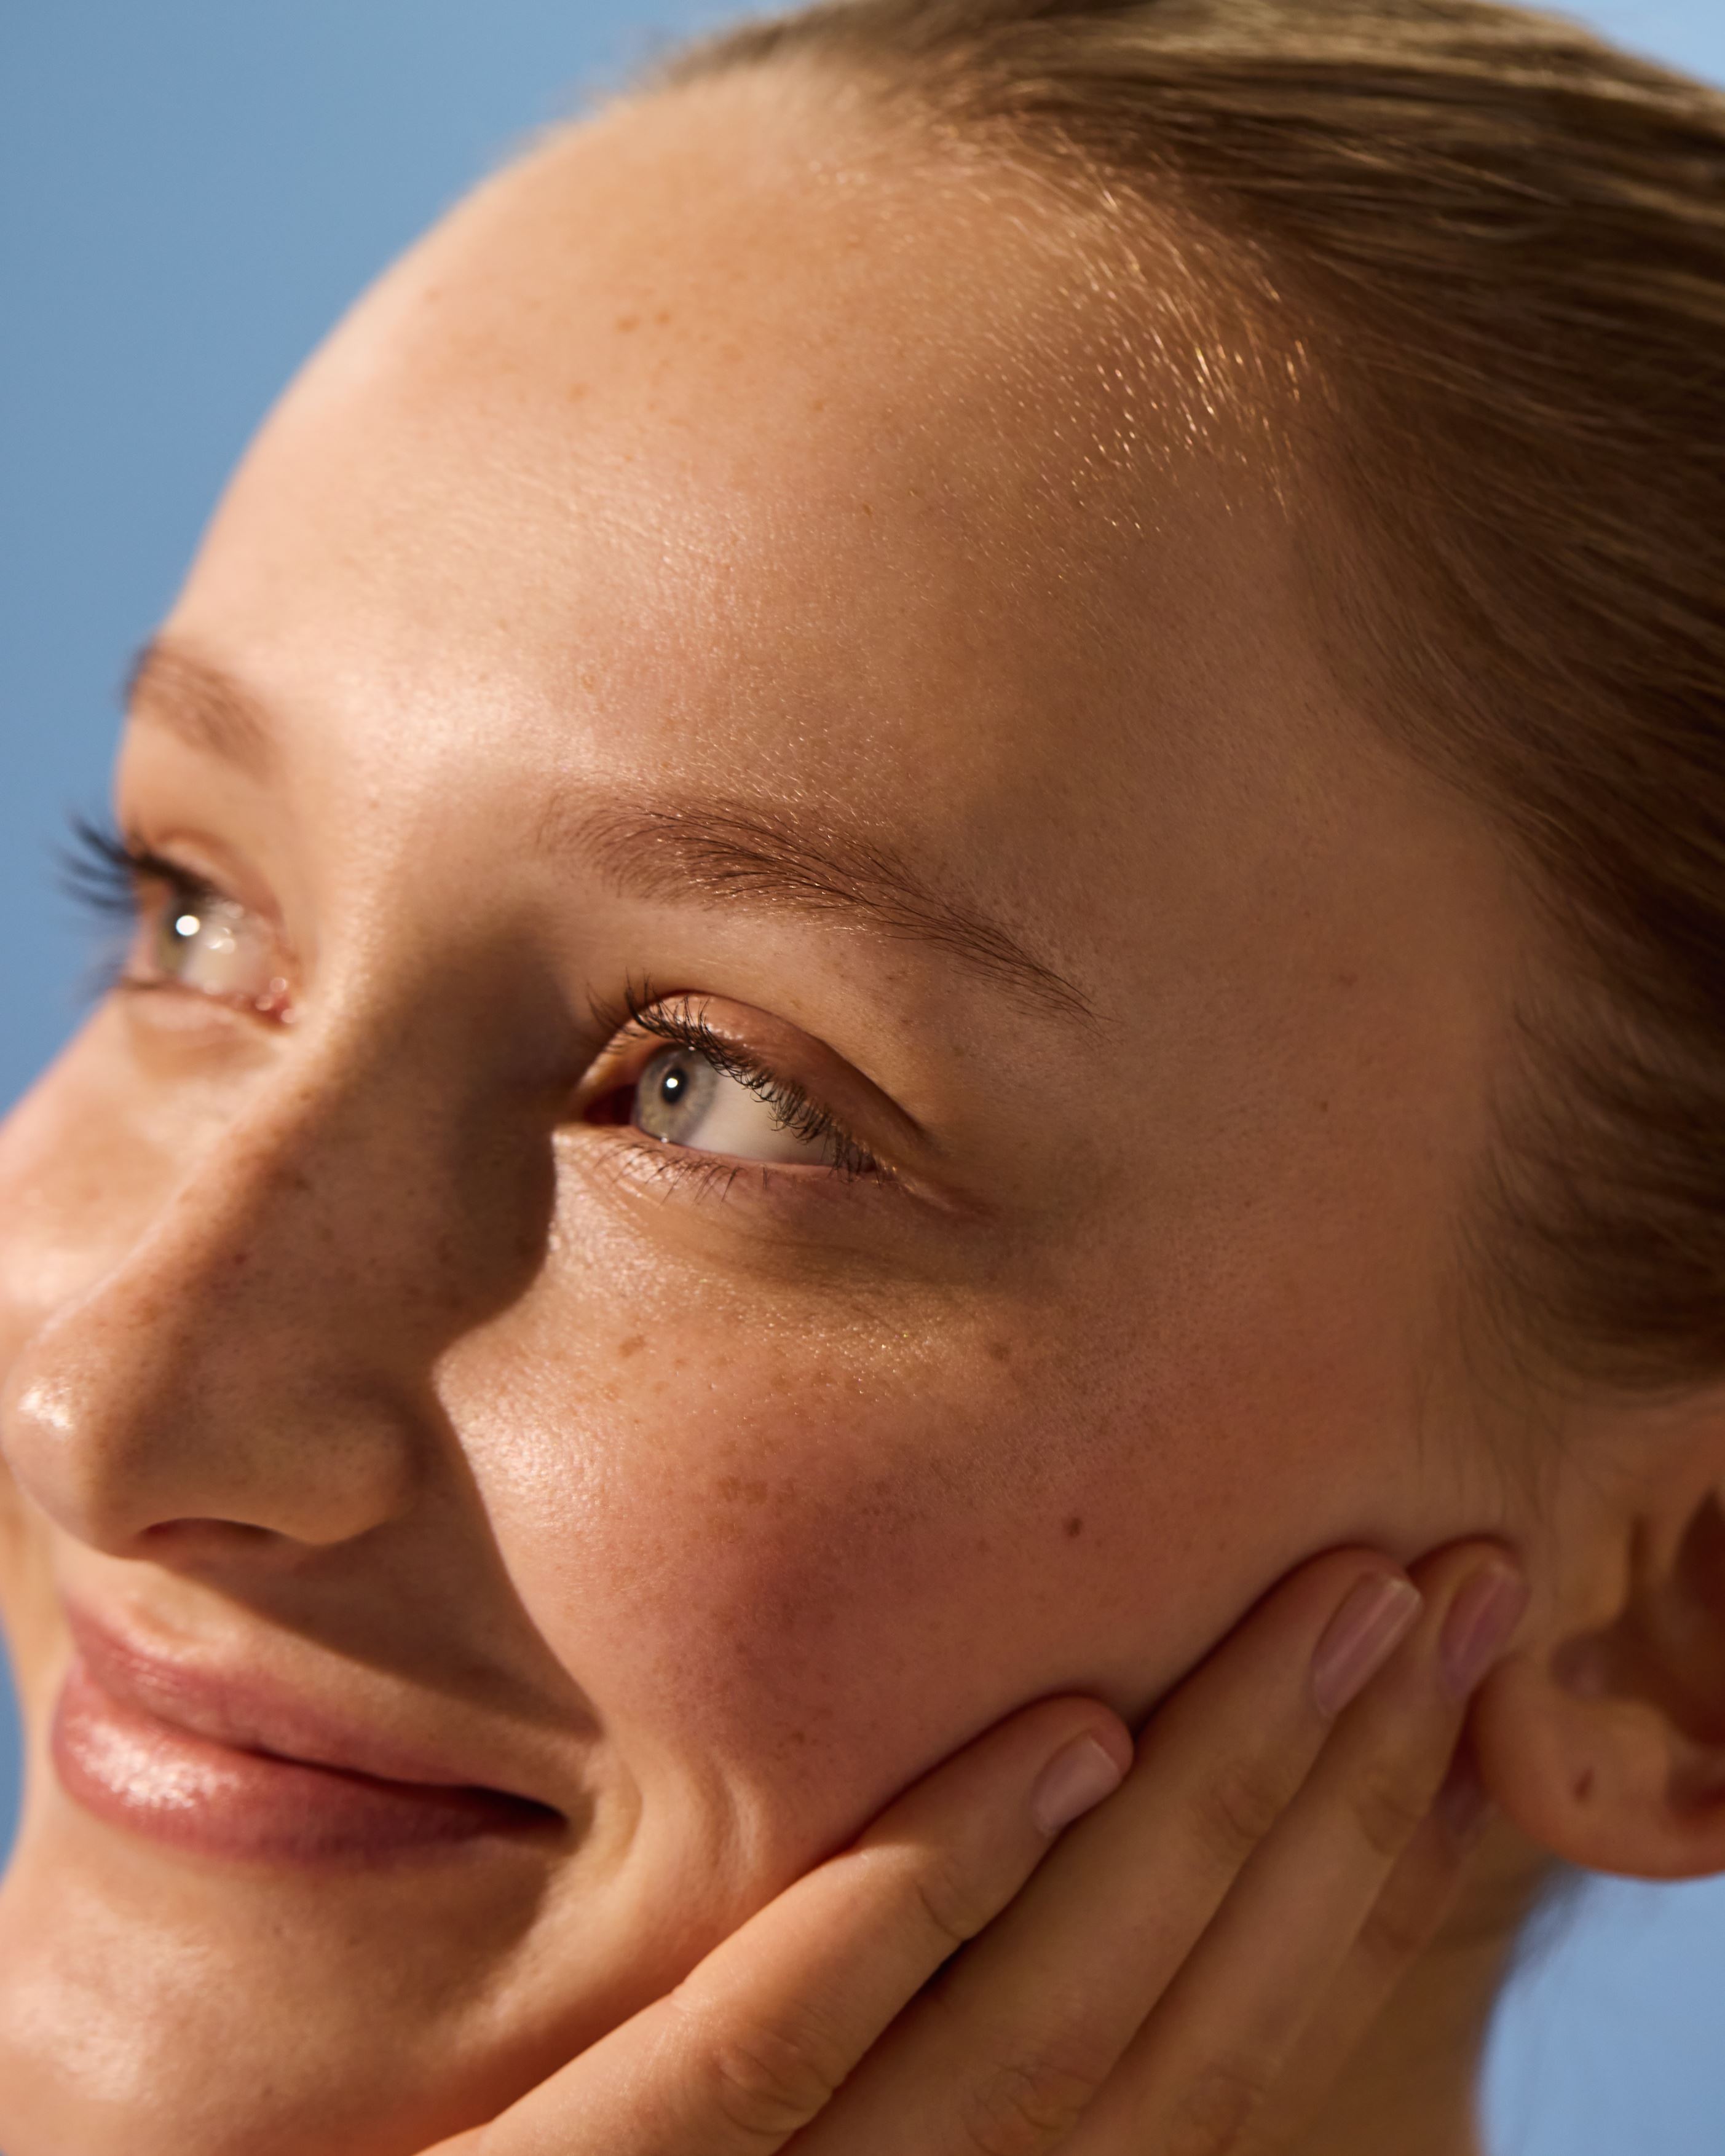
[{"x": 685, "y": 1098}]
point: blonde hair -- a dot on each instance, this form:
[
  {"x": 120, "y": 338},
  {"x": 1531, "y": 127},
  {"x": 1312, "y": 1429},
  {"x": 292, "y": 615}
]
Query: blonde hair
[{"x": 1501, "y": 242}]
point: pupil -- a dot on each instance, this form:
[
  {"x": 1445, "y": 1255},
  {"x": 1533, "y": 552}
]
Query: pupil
[{"x": 673, "y": 1086}]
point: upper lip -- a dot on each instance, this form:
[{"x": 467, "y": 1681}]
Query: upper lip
[{"x": 252, "y": 1709}]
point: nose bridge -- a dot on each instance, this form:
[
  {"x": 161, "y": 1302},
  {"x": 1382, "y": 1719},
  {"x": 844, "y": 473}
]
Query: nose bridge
[
  {"x": 257, "y": 1357},
  {"x": 318, "y": 1204},
  {"x": 316, "y": 1196}
]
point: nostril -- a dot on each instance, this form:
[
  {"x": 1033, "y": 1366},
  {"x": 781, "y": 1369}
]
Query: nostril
[
  {"x": 178, "y": 1534},
  {"x": 226, "y": 1549}
]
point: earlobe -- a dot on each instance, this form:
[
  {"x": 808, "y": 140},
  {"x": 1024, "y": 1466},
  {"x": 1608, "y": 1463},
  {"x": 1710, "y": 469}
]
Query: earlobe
[{"x": 1604, "y": 1738}]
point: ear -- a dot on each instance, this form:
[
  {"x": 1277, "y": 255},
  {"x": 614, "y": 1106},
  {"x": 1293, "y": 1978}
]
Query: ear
[{"x": 1603, "y": 1735}]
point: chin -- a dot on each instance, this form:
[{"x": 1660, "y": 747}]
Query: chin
[{"x": 151, "y": 2006}]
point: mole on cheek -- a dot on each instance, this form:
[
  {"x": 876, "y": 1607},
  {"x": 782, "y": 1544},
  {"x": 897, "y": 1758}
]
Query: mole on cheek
[
  {"x": 1075, "y": 1526},
  {"x": 632, "y": 1346}
]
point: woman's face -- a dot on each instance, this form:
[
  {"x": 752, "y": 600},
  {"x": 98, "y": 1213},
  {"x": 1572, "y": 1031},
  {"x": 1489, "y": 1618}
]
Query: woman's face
[{"x": 730, "y": 569}]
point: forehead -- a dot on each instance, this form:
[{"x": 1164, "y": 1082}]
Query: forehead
[{"x": 737, "y": 437}]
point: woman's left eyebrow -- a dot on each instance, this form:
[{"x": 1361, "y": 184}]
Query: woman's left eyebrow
[{"x": 743, "y": 853}]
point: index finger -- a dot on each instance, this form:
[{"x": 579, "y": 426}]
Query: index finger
[{"x": 753, "y": 2044}]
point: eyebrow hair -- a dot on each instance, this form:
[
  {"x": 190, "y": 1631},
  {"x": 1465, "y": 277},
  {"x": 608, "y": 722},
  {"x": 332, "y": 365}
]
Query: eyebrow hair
[
  {"x": 727, "y": 851},
  {"x": 732, "y": 852},
  {"x": 170, "y": 684}
]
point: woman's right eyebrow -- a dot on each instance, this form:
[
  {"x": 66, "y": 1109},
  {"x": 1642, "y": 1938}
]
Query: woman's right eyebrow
[{"x": 203, "y": 703}]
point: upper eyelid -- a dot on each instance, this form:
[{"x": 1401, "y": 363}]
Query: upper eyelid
[
  {"x": 105, "y": 868},
  {"x": 738, "y": 1060},
  {"x": 641, "y": 1000}
]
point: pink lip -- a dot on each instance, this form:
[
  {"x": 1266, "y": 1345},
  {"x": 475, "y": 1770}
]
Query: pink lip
[{"x": 226, "y": 1767}]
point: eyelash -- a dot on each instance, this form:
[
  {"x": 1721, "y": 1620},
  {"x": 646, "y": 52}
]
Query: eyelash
[
  {"x": 105, "y": 872},
  {"x": 680, "y": 1021},
  {"x": 102, "y": 871}
]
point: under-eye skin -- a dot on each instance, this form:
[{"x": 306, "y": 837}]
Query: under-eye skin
[
  {"x": 715, "y": 1107},
  {"x": 186, "y": 933}
]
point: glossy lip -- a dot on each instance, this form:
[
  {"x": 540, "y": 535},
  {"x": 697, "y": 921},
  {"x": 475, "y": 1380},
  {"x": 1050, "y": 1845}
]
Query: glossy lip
[{"x": 228, "y": 1763}]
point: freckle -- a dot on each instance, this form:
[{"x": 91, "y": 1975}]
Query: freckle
[
  {"x": 577, "y": 390},
  {"x": 1001, "y": 1350},
  {"x": 1583, "y": 1785},
  {"x": 1347, "y": 980},
  {"x": 629, "y": 321},
  {"x": 632, "y": 1346},
  {"x": 663, "y": 317},
  {"x": 1323, "y": 1107},
  {"x": 984, "y": 1546},
  {"x": 1075, "y": 1527}
]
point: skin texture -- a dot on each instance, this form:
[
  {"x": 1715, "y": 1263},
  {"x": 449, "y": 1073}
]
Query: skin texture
[{"x": 709, "y": 457}]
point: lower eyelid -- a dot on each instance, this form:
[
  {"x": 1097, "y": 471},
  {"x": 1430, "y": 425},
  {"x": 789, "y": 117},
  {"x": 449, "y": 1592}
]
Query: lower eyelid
[{"x": 685, "y": 1168}]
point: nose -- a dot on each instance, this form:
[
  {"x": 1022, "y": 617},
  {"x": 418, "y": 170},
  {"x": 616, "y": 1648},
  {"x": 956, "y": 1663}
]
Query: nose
[{"x": 257, "y": 1364}]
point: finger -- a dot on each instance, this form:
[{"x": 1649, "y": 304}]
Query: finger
[
  {"x": 753, "y": 2043},
  {"x": 1216, "y": 2048},
  {"x": 1419, "y": 1894},
  {"x": 1007, "y": 2051}
]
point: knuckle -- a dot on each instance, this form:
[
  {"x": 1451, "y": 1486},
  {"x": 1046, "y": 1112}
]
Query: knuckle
[
  {"x": 1392, "y": 1938},
  {"x": 1239, "y": 1807},
  {"x": 766, "y": 2083},
  {"x": 954, "y": 1905},
  {"x": 1216, "y": 2112},
  {"x": 1389, "y": 1810},
  {"x": 1400, "y": 1925},
  {"x": 1032, "y": 2104}
]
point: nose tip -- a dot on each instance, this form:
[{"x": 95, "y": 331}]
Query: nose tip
[
  {"x": 241, "y": 1335},
  {"x": 121, "y": 1452}
]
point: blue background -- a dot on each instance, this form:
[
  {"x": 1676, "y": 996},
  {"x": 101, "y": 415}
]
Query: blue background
[{"x": 190, "y": 190}]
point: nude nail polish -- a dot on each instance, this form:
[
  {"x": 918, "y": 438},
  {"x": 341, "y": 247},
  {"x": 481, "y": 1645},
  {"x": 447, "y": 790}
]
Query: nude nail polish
[{"x": 1361, "y": 1637}]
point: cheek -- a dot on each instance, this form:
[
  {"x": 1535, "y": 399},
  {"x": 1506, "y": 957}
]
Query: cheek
[
  {"x": 810, "y": 1563},
  {"x": 769, "y": 1554}
]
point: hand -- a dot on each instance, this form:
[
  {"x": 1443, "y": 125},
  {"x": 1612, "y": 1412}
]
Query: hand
[{"x": 1180, "y": 1972}]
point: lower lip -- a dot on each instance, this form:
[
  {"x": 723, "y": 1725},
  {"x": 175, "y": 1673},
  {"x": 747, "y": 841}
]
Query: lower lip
[{"x": 129, "y": 1767}]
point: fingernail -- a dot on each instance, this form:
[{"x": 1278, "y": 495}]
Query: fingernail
[
  {"x": 1462, "y": 1803},
  {"x": 1481, "y": 1618},
  {"x": 1074, "y": 1782},
  {"x": 1361, "y": 1637}
]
